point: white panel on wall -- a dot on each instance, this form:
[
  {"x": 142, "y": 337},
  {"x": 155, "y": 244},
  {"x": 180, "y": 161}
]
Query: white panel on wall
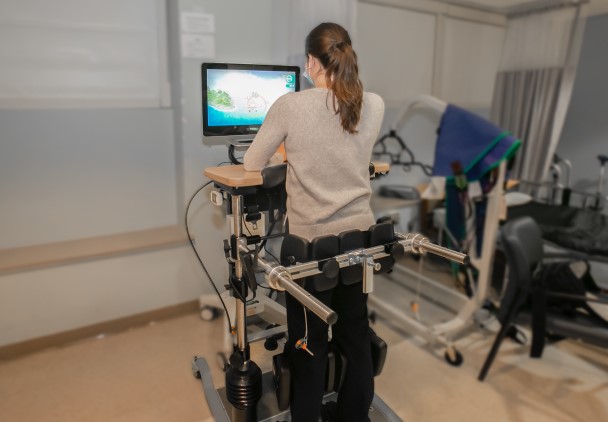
[
  {"x": 75, "y": 53},
  {"x": 395, "y": 49},
  {"x": 470, "y": 60},
  {"x": 71, "y": 174},
  {"x": 53, "y": 300}
]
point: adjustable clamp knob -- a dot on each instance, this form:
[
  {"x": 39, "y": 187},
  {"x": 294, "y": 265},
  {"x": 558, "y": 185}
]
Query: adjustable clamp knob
[
  {"x": 331, "y": 268},
  {"x": 395, "y": 250}
]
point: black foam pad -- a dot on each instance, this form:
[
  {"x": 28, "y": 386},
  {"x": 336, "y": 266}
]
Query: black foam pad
[
  {"x": 349, "y": 241},
  {"x": 381, "y": 234},
  {"x": 294, "y": 249},
  {"x": 321, "y": 248}
]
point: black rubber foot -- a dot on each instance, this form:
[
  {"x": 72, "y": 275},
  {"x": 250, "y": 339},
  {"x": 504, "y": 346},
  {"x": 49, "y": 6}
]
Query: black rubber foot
[{"x": 455, "y": 358}]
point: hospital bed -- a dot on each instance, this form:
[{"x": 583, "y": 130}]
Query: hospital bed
[
  {"x": 568, "y": 219},
  {"x": 582, "y": 231}
]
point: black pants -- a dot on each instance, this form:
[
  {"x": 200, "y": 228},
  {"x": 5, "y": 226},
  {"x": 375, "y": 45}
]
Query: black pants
[{"x": 351, "y": 334}]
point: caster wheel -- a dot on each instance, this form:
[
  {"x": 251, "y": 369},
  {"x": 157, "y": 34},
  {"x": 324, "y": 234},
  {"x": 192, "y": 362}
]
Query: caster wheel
[
  {"x": 372, "y": 317},
  {"x": 208, "y": 313},
  {"x": 453, "y": 357},
  {"x": 272, "y": 343},
  {"x": 517, "y": 335},
  {"x": 222, "y": 361}
]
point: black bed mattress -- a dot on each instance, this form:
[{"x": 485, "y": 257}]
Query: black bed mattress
[{"x": 582, "y": 230}]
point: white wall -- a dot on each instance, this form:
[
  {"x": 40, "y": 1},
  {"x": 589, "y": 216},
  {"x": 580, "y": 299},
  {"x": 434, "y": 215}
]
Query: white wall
[
  {"x": 409, "y": 48},
  {"x": 42, "y": 302},
  {"x": 71, "y": 174}
]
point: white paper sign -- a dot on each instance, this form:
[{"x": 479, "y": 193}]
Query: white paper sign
[
  {"x": 200, "y": 23},
  {"x": 198, "y": 46}
]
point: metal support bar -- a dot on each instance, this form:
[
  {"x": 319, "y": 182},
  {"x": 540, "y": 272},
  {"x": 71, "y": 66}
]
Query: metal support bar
[
  {"x": 282, "y": 278},
  {"x": 368, "y": 273},
  {"x": 241, "y": 323}
]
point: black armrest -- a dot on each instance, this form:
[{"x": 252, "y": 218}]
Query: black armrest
[{"x": 274, "y": 176}]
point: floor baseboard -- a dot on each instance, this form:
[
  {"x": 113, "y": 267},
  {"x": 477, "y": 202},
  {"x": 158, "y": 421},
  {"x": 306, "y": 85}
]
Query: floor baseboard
[{"x": 16, "y": 350}]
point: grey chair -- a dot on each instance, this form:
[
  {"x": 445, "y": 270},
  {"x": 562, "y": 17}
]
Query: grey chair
[{"x": 523, "y": 246}]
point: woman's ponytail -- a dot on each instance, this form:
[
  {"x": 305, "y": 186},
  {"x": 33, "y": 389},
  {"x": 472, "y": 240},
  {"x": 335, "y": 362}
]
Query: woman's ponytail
[{"x": 331, "y": 44}]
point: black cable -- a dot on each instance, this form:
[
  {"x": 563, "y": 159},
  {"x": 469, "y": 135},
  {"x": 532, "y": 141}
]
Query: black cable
[
  {"x": 231, "y": 155},
  {"x": 199, "y": 258},
  {"x": 396, "y": 158},
  {"x": 268, "y": 252},
  {"x": 264, "y": 246}
]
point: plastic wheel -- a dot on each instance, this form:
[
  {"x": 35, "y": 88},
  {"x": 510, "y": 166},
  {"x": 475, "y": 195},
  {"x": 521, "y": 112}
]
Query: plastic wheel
[
  {"x": 517, "y": 335},
  {"x": 272, "y": 342},
  {"x": 222, "y": 361},
  {"x": 208, "y": 313},
  {"x": 453, "y": 357}
]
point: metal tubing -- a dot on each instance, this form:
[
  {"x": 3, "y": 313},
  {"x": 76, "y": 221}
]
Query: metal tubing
[
  {"x": 368, "y": 273},
  {"x": 241, "y": 323},
  {"x": 421, "y": 244},
  {"x": 444, "y": 252},
  {"x": 307, "y": 300},
  {"x": 281, "y": 278}
]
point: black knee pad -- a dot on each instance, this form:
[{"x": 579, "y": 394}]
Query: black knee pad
[
  {"x": 296, "y": 249},
  {"x": 381, "y": 234},
  {"x": 322, "y": 248},
  {"x": 349, "y": 241}
]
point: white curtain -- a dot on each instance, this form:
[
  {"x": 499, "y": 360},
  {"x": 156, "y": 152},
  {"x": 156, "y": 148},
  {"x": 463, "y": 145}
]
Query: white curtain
[
  {"x": 295, "y": 18},
  {"x": 535, "y": 81}
]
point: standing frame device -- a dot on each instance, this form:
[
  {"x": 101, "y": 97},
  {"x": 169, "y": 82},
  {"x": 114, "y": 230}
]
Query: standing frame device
[{"x": 236, "y": 99}]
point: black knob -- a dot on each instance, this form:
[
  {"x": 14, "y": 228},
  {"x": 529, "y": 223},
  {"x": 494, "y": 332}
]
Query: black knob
[
  {"x": 331, "y": 268},
  {"x": 395, "y": 250}
]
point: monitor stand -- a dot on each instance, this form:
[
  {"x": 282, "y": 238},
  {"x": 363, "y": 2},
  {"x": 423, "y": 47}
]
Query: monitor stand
[{"x": 237, "y": 145}]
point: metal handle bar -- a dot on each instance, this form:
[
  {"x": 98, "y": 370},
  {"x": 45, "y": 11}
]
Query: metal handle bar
[
  {"x": 280, "y": 279},
  {"x": 421, "y": 245}
]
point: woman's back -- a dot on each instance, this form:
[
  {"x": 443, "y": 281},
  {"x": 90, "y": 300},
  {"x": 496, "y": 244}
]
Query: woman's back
[{"x": 327, "y": 178}]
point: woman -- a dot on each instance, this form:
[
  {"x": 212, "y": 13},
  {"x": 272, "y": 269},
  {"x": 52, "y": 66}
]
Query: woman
[{"x": 328, "y": 133}]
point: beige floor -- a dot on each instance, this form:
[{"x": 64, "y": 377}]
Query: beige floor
[{"x": 144, "y": 375}]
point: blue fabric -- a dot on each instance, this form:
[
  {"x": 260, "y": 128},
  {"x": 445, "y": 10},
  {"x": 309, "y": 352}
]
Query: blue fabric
[
  {"x": 471, "y": 140},
  {"x": 479, "y": 146}
]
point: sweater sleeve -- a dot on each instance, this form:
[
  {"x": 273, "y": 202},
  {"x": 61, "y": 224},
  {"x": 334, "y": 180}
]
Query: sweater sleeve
[{"x": 272, "y": 133}]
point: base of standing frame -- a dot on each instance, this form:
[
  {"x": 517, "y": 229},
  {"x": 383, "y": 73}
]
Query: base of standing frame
[{"x": 267, "y": 409}]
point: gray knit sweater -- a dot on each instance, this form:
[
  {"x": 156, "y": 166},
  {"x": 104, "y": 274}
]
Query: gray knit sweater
[{"x": 328, "y": 188}]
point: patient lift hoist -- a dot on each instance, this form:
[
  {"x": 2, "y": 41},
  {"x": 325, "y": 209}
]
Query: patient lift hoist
[
  {"x": 464, "y": 307},
  {"x": 248, "y": 395}
]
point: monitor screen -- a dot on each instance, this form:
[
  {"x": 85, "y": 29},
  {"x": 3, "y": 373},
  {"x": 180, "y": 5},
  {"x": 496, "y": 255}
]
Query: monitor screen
[{"x": 236, "y": 97}]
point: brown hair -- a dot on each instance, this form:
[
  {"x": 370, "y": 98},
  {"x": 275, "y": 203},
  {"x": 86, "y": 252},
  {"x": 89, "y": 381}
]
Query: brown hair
[{"x": 331, "y": 45}]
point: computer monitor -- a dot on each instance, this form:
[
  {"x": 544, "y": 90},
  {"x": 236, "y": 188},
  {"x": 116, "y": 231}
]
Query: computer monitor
[{"x": 236, "y": 97}]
